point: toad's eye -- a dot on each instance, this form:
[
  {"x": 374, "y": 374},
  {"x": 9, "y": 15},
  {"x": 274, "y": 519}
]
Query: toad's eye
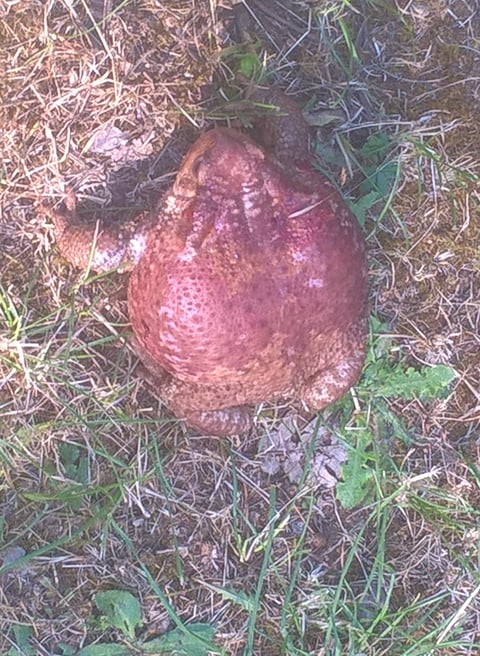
[{"x": 195, "y": 167}]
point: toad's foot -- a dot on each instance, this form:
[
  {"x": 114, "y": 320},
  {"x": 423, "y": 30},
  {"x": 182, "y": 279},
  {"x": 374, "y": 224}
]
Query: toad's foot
[
  {"x": 224, "y": 422},
  {"x": 184, "y": 400}
]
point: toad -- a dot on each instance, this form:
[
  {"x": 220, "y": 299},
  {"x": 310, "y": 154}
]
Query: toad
[{"x": 248, "y": 283}]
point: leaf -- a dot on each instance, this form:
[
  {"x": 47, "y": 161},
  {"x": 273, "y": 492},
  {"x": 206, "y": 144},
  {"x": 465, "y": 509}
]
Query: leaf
[
  {"x": 66, "y": 650},
  {"x": 357, "y": 476},
  {"x": 101, "y": 649},
  {"x": 247, "y": 602},
  {"x": 75, "y": 465},
  {"x": 363, "y": 204},
  {"x": 388, "y": 424},
  {"x": 376, "y": 146},
  {"x": 249, "y": 65},
  {"x": 410, "y": 383},
  {"x": 385, "y": 177},
  {"x": 379, "y": 178},
  {"x": 179, "y": 643},
  {"x": 121, "y": 609},
  {"x": 382, "y": 377},
  {"x": 328, "y": 155},
  {"x": 325, "y": 117},
  {"x": 22, "y": 638}
]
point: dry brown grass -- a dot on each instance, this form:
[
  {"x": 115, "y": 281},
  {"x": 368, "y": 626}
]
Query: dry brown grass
[{"x": 198, "y": 512}]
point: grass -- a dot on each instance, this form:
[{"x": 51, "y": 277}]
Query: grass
[{"x": 243, "y": 541}]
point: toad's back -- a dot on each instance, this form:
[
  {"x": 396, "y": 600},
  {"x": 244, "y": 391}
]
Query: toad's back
[{"x": 241, "y": 279}]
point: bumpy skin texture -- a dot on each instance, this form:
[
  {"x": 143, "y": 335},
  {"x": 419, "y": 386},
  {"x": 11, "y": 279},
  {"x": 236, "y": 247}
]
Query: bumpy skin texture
[{"x": 252, "y": 284}]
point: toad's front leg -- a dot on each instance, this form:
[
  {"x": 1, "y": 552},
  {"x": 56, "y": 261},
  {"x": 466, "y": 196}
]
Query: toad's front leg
[
  {"x": 99, "y": 246},
  {"x": 332, "y": 381}
]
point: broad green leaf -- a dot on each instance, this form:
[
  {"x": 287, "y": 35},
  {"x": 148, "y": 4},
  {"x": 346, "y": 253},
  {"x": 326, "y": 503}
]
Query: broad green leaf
[
  {"x": 379, "y": 178},
  {"x": 121, "y": 609},
  {"x": 328, "y": 154},
  {"x": 22, "y": 638},
  {"x": 363, "y": 204},
  {"x": 74, "y": 462},
  {"x": 179, "y": 643},
  {"x": 376, "y": 146}
]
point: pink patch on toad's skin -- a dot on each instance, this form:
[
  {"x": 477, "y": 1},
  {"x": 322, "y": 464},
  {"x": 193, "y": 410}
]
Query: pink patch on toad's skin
[{"x": 252, "y": 285}]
